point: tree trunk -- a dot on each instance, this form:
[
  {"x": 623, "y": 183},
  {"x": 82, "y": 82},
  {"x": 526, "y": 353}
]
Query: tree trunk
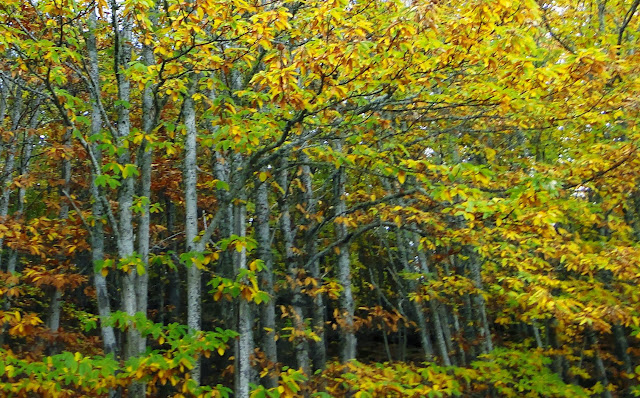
[
  {"x": 300, "y": 343},
  {"x": 268, "y": 318},
  {"x": 438, "y": 321},
  {"x": 97, "y": 233},
  {"x": 601, "y": 370},
  {"x": 145, "y": 155},
  {"x": 175, "y": 298},
  {"x": 245, "y": 316},
  {"x": 9, "y": 164},
  {"x": 191, "y": 213},
  {"x": 423, "y": 329},
  {"x": 56, "y": 300},
  {"x": 347, "y": 304},
  {"x": 126, "y": 239},
  {"x": 318, "y": 347},
  {"x": 476, "y": 278}
]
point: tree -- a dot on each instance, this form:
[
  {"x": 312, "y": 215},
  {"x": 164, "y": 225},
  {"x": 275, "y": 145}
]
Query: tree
[{"x": 457, "y": 180}]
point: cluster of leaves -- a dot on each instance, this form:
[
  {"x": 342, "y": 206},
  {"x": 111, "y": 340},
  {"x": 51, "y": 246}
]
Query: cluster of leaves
[
  {"x": 509, "y": 373},
  {"x": 73, "y": 374}
]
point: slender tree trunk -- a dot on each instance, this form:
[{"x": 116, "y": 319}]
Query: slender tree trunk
[
  {"x": 552, "y": 336},
  {"x": 126, "y": 239},
  {"x": 622, "y": 346},
  {"x": 476, "y": 277},
  {"x": 465, "y": 331},
  {"x": 347, "y": 303},
  {"x": 268, "y": 319},
  {"x": 145, "y": 155},
  {"x": 469, "y": 330},
  {"x": 536, "y": 334},
  {"x": 300, "y": 343},
  {"x": 27, "y": 142},
  {"x": 22, "y": 170},
  {"x": 438, "y": 321},
  {"x": 601, "y": 370},
  {"x": 4, "y": 94},
  {"x": 97, "y": 235},
  {"x": 222, "y": 170},
  {"x": 446, "y": 330},
  {"x": 174, "y": 274},
  {"x": 191, "y": 212},
  {"x": 423, "y": 329},
  {"x": 9, "y": 164},
  {"x": 245, "y": 316},
  {"x": 318, "y": 347},
  {"x": 462, "y": 357},
  {"x": 56, "y": 301}
]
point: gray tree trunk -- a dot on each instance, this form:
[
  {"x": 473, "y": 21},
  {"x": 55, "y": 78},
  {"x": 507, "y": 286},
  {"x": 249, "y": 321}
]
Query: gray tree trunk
[
  {"x": 476, "y": 277},
  {"x": 56, "y": 301},
  {"x": 126, "y": 236},
  {"x": 318, "y": 351},
  {"x": 423, "y": 329},
  {"x": 268, "y": 310},
  {"x": 190, "y": 179},
  {"x": 22, "y": 171},
  {"x": 300, "y": 343},
  {"x": 97, "y": 234},
  {"x": 245, "y": 316},
  {"x": 145, "y": 155},
  {"x": 622, "y": 346},
  {"x": 438, "y": 322},
  {"x": 9, "y": 164},
  {"x": 347, "y": 303},
  {"x": 175, "y": 296}
]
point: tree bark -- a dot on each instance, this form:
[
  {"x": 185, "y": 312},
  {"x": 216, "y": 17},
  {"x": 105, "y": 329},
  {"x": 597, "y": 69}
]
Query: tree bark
[
  {"x": 268, "y": 318},
  {"x": 190, "y": 179},
  {"x": 438, "y": 321},
  {"x": 347, "y": 304},
  {"x": 423, "y": 329},
  {"x": 145, "y": 156},
  {"x": 622, "y": 346},
  {"x": 9, "y": 164},
  {"x": 601, "y": 370},
  {"x": 245, "y": 316},
  {"x": 476, "y": 278},
  {"x": 318, "y": 347},
  {"x": 97, "y": 234},
  {"x": 300, "y": 343}
]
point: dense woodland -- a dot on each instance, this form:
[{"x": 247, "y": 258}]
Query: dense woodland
[{"x": 248, "y": 198}]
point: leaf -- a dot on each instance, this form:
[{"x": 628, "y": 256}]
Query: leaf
[
  {"x": 222, "y": 185},
  {"x": 402, "y": 176}
]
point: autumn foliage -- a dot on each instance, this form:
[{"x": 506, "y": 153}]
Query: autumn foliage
[{"x": 219, "y": 198}]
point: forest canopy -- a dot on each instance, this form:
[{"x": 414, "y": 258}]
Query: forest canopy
[{"x": 232, "y": 198}]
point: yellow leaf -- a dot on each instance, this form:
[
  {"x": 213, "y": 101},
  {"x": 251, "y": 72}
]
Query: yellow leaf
[{"x": 402, "y": 176}]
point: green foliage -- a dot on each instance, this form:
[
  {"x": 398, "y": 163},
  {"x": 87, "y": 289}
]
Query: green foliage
[{"x": 69, "y": 374}]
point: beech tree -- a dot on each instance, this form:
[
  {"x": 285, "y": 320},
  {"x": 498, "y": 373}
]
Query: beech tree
[{"x": 311, "y": 198}]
